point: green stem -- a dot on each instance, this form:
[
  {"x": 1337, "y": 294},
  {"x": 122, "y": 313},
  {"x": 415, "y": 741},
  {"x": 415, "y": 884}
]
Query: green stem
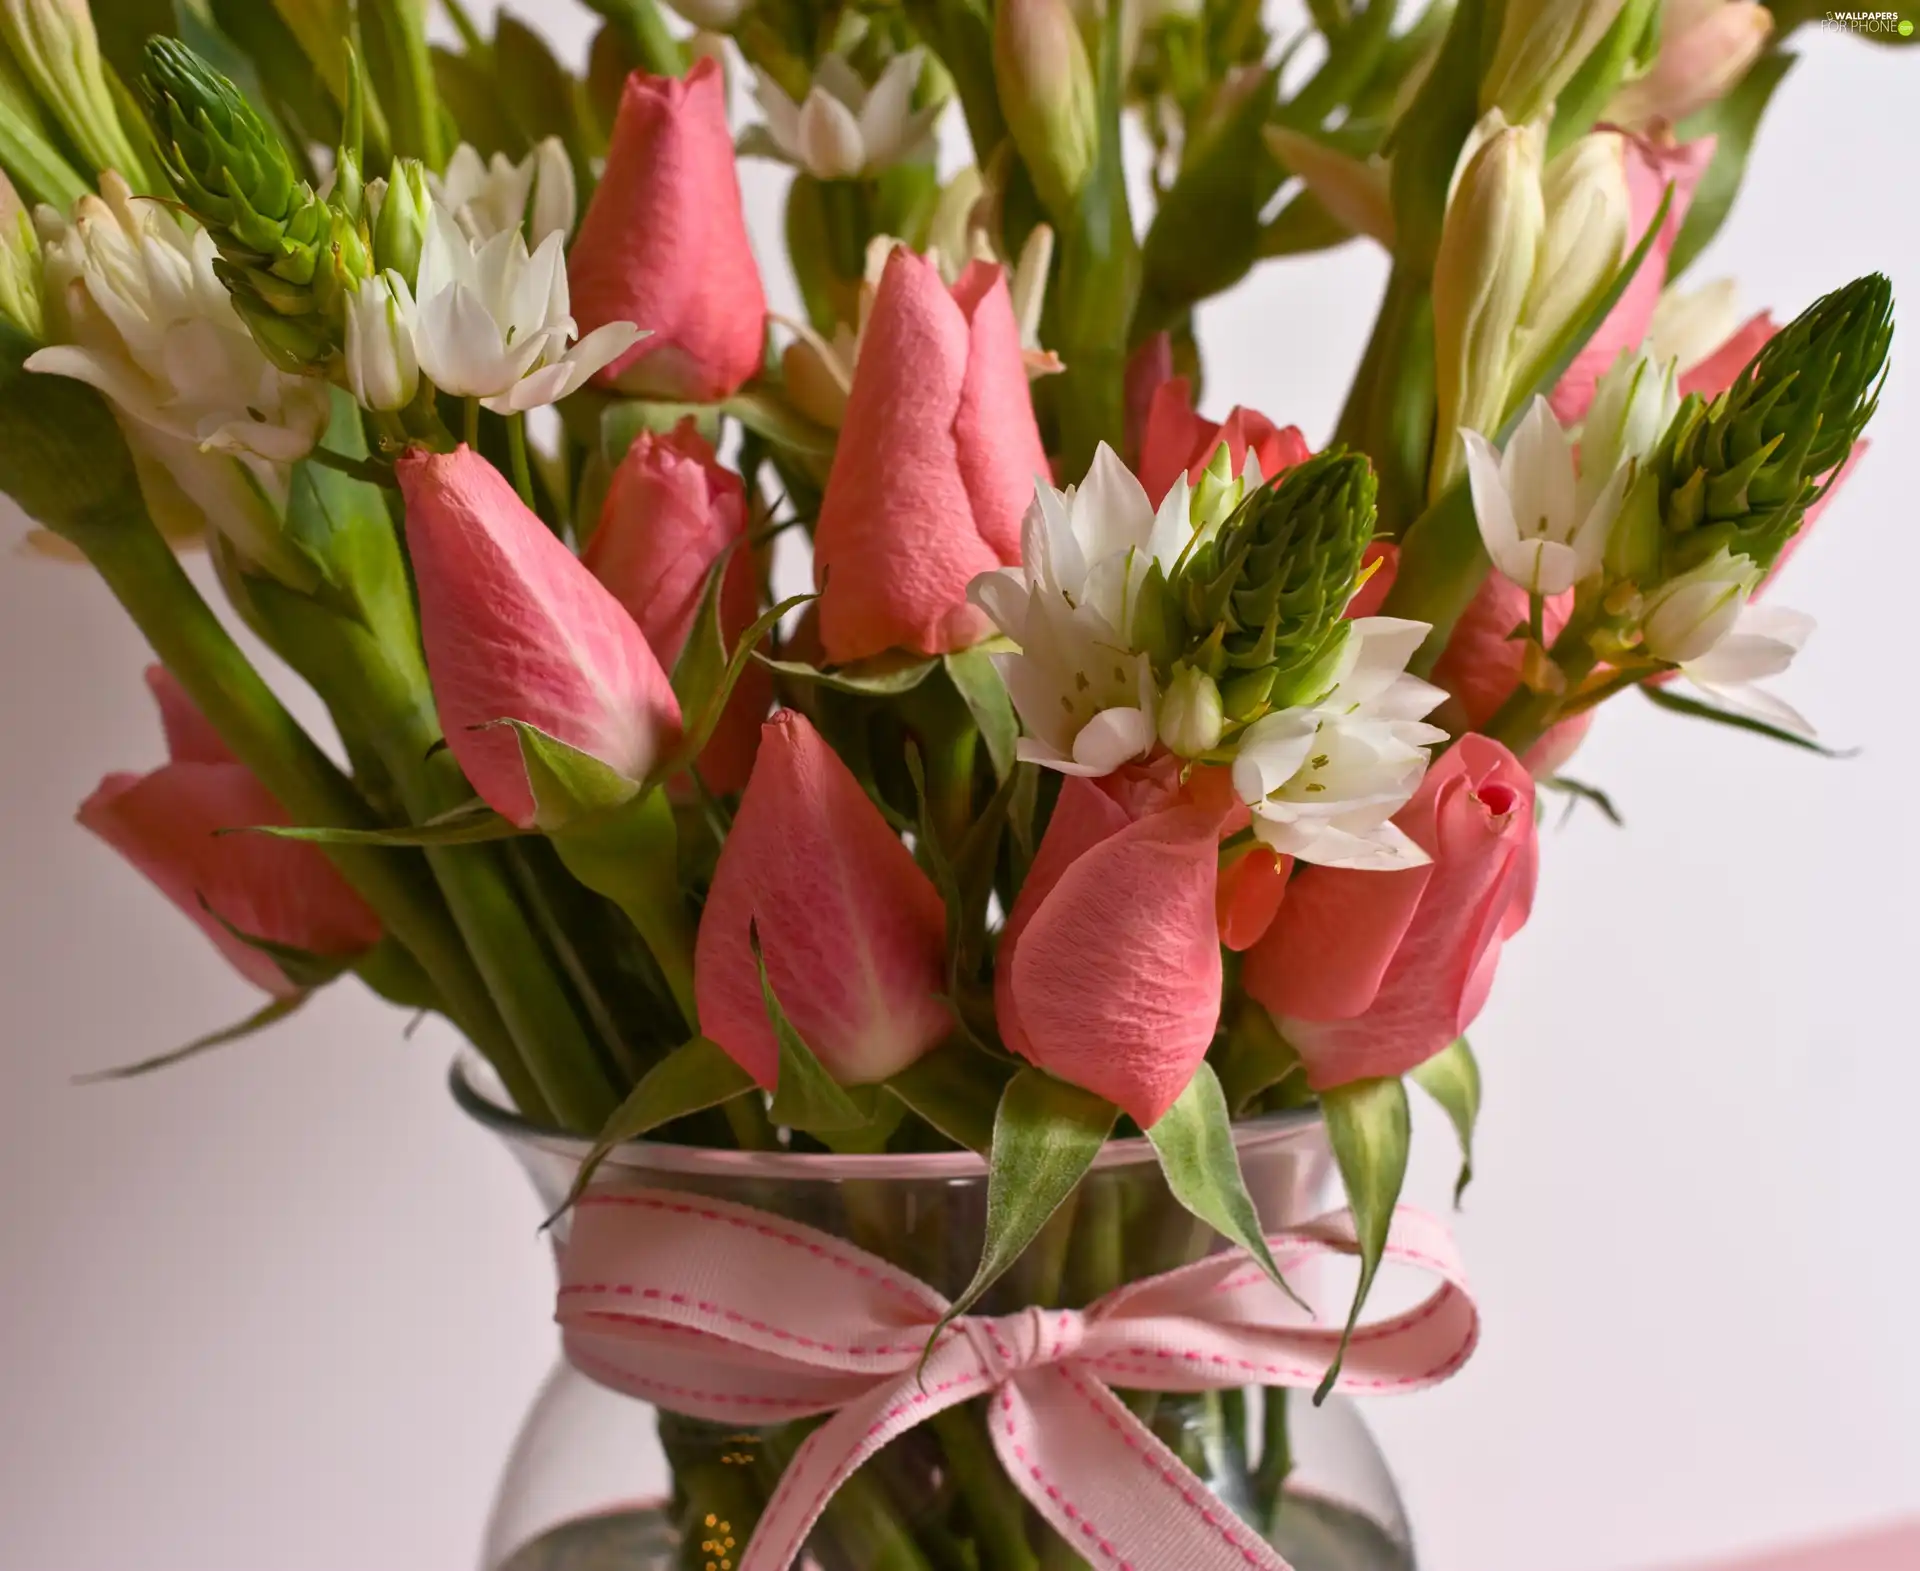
[
  {"x": 139, "y": 567},
  {"x": 653, "y": 45},
  {"x": 470, "y": 433},
  {"x": 1527, "y": 716},
  {"x": 419, "y": 111},
  {"x": 368, "y": 469},
  {"x": 995, "y": 1507},
  {"x": 517, "y": 452},
  {"x": 1276, "y": 1455},
  {"x": 630, "y": 855},
  {"x": 752, "y": 1129}
]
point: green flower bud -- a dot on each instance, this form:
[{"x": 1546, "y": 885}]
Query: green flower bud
[
  {"x": 1047, "y": 93},
  {"x": 288, "y": 258},
  {"x": 56, "y": 49},
  {"x": 1264, "y": 599},
  {"x": 400, "y": 219},
  {"x": 1192, "y": 715},
  {"x": 20, "y": 301},
  {"x": 1737, "y": 475}
]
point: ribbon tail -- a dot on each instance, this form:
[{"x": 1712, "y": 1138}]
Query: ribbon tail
[
  {"x": 839, "y": 1448},
  {"x": 1120, "y": 1498}
]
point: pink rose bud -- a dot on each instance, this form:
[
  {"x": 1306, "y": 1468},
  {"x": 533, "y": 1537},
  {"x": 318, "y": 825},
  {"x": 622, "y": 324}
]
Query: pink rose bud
[
  {"x": 671, "y": 511},
  {"x": 168, "y": 824},
  {"x": 854, "y": 934},
  {"x": 1380, "y": 567},
  {"x": 1179, "y": 442},
  {"x": 1650, "y": 168},
  {"x": 1371, "y": 974},
  {"x": 1109, "y": 973},
  {"x": 935, "y": 468},
  {"x": 1480, "y": 666},
  {"x": 1149, "y": 368},
  {"x": 516, "y": 628},
  {"x": 664, "y": 244}
]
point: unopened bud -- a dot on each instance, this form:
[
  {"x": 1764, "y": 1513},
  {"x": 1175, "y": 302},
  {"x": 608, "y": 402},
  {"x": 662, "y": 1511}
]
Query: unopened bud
[
  {"x": 1704, "y": 52},
  {"x": 1192, "y": 716},
  {"x": 383, "y": 371},
  {"x": 20, "y": 300},
  {"x": 1489, "y": 250},
  {"x": 1542, "y": 43},
  {"x": 1354, "y": 191},
  {"x": 1633, "y": 405},
  {"x": 1688, "y": 615},
  {"x": 399, "y": 219},
  {"x": 1587, "y": 211},
  {"x": 555, "y": 200},
  {"x": 1047, "y": 93},
  {"x": 56, "y": 49}
]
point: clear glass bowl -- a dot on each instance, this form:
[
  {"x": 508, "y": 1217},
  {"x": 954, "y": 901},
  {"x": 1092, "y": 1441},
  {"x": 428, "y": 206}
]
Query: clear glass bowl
[{"x": 1311, "y": 1479}]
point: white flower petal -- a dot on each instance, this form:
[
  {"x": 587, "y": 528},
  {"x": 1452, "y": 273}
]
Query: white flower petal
[
  {"x": 1492, "y": 507},
  {"x": 885, "y": 115},
  {"x": 831, "y": 147},
  {"x": 1111, "y": 738},
  {"x": 1111, "y": 513}
]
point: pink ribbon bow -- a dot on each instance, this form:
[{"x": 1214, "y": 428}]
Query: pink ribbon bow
[{"x": 721, "y": 1312}]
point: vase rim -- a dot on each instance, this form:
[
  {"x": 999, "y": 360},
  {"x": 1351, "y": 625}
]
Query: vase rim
[{"x": 478, "y": 1093}]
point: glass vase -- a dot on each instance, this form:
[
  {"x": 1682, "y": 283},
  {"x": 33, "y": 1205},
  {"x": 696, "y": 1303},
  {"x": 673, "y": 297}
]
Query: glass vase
[{"x": 1310, "y": 1479}]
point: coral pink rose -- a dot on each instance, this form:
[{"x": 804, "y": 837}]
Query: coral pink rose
[
  {"x": 854, "y": 934},
  {"x": 1371, "y": 974},
  {"x": 516, "y": 628},
  {"x": 672, "y": 510},
  {"x": 1715, "y": 374},
  {"x": 935, "y": 468},
  {"x": 1651, "y": 166},
  {"x": 1179, "y": 442},
  {"x": 664, "y": 244},
  {"x": 1108, "y": 973},
  {"x": 169, "y": 824}
]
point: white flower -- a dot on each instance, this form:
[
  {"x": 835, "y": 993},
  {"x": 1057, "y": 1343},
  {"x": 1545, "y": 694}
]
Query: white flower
[
  {"x": 1324, "y": 780},
  {"x": 489, "y": 197},
  {"x": 1762, "y": 642},
  {"x": 1633, "y": 404},
  {"x": 1086, "y": 696},
  {"x": 144, "y": 320},
  {"x": 1686, "y": 616},
  {"x": 383, "y": 371},
  {"x": 1689, "y": 324},
  {"x": 845, "y": 129},
  {"x": 493, "y": 323},
  {"x": 1528, "y": 504}
]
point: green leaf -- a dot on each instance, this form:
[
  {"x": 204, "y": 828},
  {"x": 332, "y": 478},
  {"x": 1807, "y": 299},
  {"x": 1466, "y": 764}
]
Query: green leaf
[
  {"x": 1194, "y": 1141},
  {"x": 957, "y": 1089},
  {"x": 805, "y": 1096},
  {"x": 465, "y": 86},
  {"x": 301, "y": 967},
  {"x": 567, "y": 783},
  {"x": 978, "y": 683},
  {"x": 274, "y": 1011},
  {"x": 1580, "y": 791},
  {"x": 1452, "y": 1078},
  {"x": 700, "y": 729},
  {"x": 474, "y": 825},
  {"x": 766, "y": 411},
  {"x": 703, "y": 657},
  {"x": 1733, "y": 121},
  {"x": 1256, "y": 1058},
  {"x": 536, "y": 89},
  {"x": 693, "y": 1077},
  {"x": 1045, "y": 1137},
  {"x": 38, "y": 168},
  {"x": 1680, "y": 704},
  {"x": 1369, "y": 1127},
  {"x": 884, "y": 676}
]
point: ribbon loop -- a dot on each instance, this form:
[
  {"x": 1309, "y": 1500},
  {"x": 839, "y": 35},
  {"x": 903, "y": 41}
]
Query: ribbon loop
[{"x": 667, "y": 1297}]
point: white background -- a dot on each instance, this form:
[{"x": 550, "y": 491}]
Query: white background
[{"x": 281, "y": 1310}]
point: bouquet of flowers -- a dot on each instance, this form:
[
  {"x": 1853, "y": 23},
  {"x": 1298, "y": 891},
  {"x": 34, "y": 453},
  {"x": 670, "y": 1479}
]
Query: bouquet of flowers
[{"x": 1124, "y": 772}]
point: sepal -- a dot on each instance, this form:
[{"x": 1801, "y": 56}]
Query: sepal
[
  {"x": 1452, "y": 1078},
  {"x": 1370, "y": 1130}
]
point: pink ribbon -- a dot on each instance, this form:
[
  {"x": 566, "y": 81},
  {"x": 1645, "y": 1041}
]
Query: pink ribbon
[{"x": 721, "y": 1312}]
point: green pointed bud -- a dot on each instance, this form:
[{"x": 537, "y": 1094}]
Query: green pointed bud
[
  {"x": 1047, "y": 93},
  {"x": 53, "y": 44},
  {"x": 21, "y": 305},
  {"x": 398, "y": 211},
  {"x": 1192, "y": 715},
  {"x": 1219, "y": 492},
  {"x": 1633, "y": 544},
  {"x": 1737, "y": 475},
  {"x": 1542, "y": 44},
  {"x": 285, "y": 254},
  {"x": 1265, "y": 598}
]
